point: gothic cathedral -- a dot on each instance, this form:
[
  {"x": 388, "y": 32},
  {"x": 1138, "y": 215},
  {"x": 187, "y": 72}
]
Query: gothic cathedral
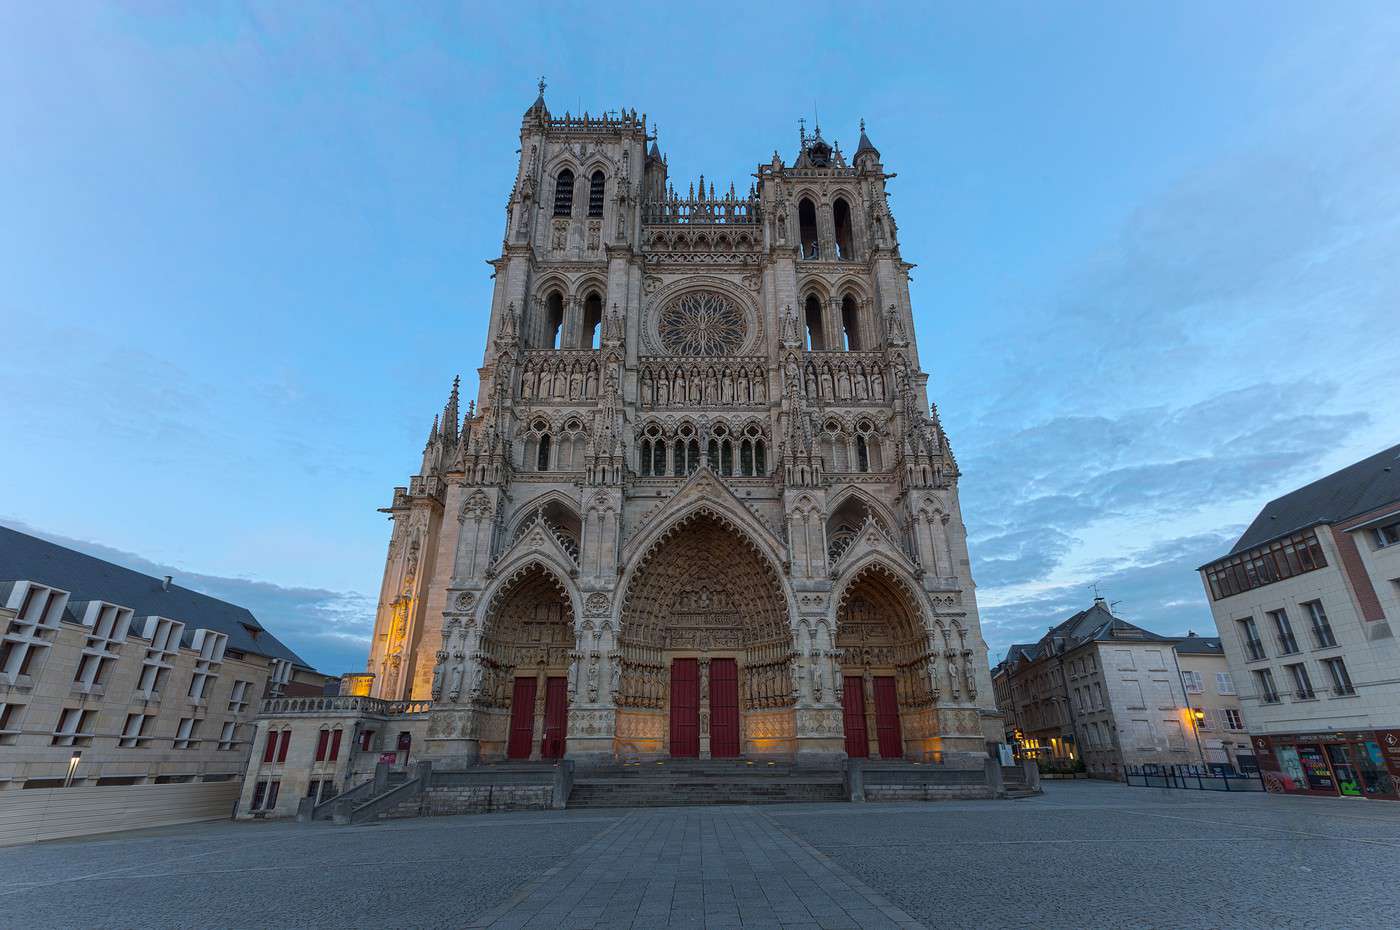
[{"x": 701, "y": 506}]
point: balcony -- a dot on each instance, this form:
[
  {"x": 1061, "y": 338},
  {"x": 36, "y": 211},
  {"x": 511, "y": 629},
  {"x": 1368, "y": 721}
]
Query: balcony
[{"x": 338, "y": 705}]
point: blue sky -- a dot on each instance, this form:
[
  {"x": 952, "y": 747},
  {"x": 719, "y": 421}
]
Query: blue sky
[{"x": 243, "y": 254}]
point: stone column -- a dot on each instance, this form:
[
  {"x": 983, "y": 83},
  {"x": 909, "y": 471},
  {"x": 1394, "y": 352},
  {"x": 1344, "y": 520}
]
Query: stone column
[{"x": 704, "y": 664}]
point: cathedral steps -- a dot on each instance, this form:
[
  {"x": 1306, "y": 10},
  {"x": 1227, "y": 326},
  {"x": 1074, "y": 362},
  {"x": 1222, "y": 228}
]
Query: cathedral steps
[{"x": 691, "y": 782}]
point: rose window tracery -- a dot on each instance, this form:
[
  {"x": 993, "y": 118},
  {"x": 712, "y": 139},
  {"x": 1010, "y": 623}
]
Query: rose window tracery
[{"x": 702, "y": 323}]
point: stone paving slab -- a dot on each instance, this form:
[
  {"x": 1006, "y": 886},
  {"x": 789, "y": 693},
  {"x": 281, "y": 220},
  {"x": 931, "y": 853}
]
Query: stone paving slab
[
  {"x": 1085, "y": 855},
  {"x": 711, "y": 867}
]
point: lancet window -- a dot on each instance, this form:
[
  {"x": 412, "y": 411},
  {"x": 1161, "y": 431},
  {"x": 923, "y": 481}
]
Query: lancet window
[
  {"x": 816, "y": 340},
  {"x": 841, "y": 217},
  {"x": 564, "y": 193},
  {"x": 807, "y": 228},
  {"x": 850, "y": 324},
  {"x": 592, "y": 321},
  {"x": 595, "y": 194}
]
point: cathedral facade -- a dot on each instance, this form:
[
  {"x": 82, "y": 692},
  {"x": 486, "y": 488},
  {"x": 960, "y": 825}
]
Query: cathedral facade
[{"x": 701, "y": 506}]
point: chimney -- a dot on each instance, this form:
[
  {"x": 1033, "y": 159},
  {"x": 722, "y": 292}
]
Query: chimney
[{"x": 165, "y": 585}]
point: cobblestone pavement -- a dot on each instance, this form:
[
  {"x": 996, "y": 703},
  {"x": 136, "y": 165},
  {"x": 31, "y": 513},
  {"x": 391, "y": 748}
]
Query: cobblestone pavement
[{"x": 1085, "y": 855}]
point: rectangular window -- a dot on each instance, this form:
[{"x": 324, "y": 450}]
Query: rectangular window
[
  {"x": 238, "y": 698},
  {"x": 1155, "y": 660},
  {"x": 270, "y": 747},
  {"x": 1224, "y": 683},
  {"x": 228, "y": 735},
  {"x": 1125, "y": 660},
  {"x": 164, "y": 636},
  {"x": 1321, "y": 629},
  {"x": 9, "y": 722},
  {"x": 1249, "y": 635},
  {"x": 1264, "y": 683},
  {"x": 74, "y": 727},
  {"x": 186, "y": 734},
  {"x": 1302, "y": 684},
  {"x": 366, "y": 740},
  {"x": 1234, "y": 719},
  {"x": 134, "y": 731},
  {"x": 1287, "y": 643},
  {"x": 1098, "y": 695},
  {"x": 27, "y": 635},
  {"x": 1204, "y": 720},
  {"x": 335, "y": 745},
  {"x": 323, "y": 741},
  {"x": 272, "y": 788},
  {"x": 1191, "y": 680},
  {"x": 1387, "y": 535},
  {"x": 1265, "y": 565},
  {"x": 1341, "y": 681},
  {"x": 259, "y": 793},
  {"x": 282, "y": 746}
]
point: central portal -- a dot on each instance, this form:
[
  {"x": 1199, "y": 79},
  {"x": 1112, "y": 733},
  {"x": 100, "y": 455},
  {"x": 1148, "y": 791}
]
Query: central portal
[{"x": 706, "y": 650}]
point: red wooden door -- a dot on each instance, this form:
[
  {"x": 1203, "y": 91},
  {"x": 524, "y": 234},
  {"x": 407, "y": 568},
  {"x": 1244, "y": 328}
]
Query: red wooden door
[
  {"x": 556, "y": 718},
  {"x": 887, "y": 718},
  {"x": 724, "y": 708},
  {"x": 685, "y": 708},
  {"x": 853, "y": 714},
  {"x": 522, "y": 719}
]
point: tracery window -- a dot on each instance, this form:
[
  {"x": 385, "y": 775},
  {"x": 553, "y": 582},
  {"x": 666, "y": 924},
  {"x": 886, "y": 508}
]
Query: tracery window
[
  {"x": 564, "y": 193},
  {"x": 595, "y": 194},
  {"x": 702, "y": 323}
]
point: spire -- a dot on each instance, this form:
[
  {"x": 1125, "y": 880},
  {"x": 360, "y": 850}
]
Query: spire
[
  {"x": 449, "y": 413},
  {"x": 538, "y": 108},
  {"x": 865, "y": 146},
  {"x": 432, "y": 433}
]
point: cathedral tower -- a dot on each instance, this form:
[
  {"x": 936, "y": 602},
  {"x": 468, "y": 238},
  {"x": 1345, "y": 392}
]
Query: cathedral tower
[{"x": 700, "y": 506}]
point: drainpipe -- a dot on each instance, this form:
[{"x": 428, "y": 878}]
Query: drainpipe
[{"x": 1190, "y": 711}]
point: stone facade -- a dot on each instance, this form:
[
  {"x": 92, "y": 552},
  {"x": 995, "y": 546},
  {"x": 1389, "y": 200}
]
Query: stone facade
[
  {"x": 1098, "y": 690},
  {"x": 702, "y": 433}
]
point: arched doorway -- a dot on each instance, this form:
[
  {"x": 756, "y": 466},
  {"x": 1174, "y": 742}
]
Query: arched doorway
[
  {"x": 885, "y": 667},
  {"x": 526, "y": 650},
  {"x": 706, "y": 648}
]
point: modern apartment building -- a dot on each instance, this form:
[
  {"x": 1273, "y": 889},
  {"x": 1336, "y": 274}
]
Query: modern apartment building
[
  {"x": 110, "y": 677},
  {"x": 1306, "y": 603}
]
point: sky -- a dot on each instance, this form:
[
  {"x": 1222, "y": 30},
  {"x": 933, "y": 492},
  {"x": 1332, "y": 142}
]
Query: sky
[{"x": 243, "y": 253}]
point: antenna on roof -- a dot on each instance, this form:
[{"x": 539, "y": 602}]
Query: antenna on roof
[
  {"x": 1113, "y": 604},
  {"x": 1095, "y": 588}
]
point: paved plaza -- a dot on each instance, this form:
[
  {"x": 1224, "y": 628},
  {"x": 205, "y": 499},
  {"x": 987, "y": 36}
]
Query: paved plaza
[{"x": 1086, "y": 854}]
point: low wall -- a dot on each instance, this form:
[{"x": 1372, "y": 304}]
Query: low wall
[
  {"x": 35, "y": 814},
  {"x": 474, "y": 799}
]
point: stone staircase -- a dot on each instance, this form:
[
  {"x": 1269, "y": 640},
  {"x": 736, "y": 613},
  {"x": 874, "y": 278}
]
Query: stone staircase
[{"x": 681, "y": 782}]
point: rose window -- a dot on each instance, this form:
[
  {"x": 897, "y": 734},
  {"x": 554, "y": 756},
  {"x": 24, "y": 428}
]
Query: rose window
[{"x": 702, "y": 323}]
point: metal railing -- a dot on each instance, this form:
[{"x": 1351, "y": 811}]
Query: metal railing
[{"x": 1191, "y": 777}]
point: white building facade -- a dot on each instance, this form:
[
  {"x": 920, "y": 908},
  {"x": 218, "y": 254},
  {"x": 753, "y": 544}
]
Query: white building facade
[{"x": 1306, "y": 604}]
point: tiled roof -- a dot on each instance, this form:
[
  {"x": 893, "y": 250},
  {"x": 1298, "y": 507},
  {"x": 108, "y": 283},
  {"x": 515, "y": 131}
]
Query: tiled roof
[
  {"x": 87, "y": 578},
  {"x": 1369, "y": 484}
]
